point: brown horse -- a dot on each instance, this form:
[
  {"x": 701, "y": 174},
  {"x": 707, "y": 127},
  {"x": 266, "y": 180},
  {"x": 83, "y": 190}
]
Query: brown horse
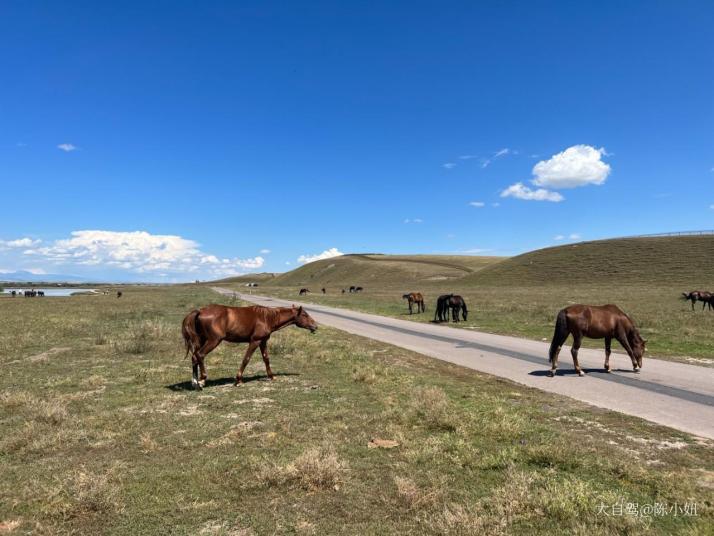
[
  {"x": 303, "y": 291},
  {"x": 415, "y": 298},
  {"x": 596, "y": 322},
  {"x": 699, "y": 295},
  {"x": 204, "y": 329}
]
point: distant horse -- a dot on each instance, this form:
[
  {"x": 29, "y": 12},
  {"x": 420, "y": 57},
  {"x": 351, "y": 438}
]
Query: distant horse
[
  {"x": 596, "y": 322},
  {"x": 358, "y": 289},
  {"x": 119, "y": 294},
  {"x": 415, "y": 298},
  {"x": 699, "y": 295},
  {"x": 41, "y": 293},
  {"x": 457, "y": 303},
  {"x": 343, "y": 291},
  {"x": 14, "y": 293},
  {"x": 204, "y": 329},
  {"x": 324, "y": 291},
  {"x": 441, "y": 312},
  {"x": 303, "y": 291},
  {"x": 352, "y": 289}
]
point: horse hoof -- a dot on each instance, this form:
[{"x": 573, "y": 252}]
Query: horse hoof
[
  {"x": 551, "y": 373},
  {"x": 581, "y": 373},
  {"x": 637, "y": 370},
  {"x": 607, "y": 369},
  {"x": 196, "y": 385}
]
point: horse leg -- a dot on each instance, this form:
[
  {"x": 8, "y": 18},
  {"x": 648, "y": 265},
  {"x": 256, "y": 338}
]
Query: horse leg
[
  {"x": 252, "y": 345},
  {"x": 198, "y": 362},
  {"x": 577, "y": 339},
  {"x": 622, "y": 339},
  {"x": 608, "y": 351},
  {"x": 266, "y": 360}
]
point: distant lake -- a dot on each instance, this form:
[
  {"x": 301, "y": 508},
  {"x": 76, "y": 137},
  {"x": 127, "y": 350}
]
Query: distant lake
[{"x": 54, "y": 291}]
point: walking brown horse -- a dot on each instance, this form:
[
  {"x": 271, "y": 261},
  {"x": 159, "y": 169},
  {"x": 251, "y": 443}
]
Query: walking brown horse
[
  {"x": 415, "y": 298},
  {"x": 596, "y": 322},
  {"x": 204, "y": 329}
]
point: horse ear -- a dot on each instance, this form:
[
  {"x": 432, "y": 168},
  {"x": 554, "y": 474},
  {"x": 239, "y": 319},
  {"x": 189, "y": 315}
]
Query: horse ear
[{"x": 300, "y": 309}]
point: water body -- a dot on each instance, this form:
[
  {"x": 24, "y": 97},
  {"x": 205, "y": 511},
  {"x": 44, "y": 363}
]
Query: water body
[{"x": 51, "y": 291}]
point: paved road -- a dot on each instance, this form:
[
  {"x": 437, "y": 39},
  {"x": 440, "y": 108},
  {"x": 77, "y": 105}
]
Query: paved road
[{"x": 672, "y": 394}]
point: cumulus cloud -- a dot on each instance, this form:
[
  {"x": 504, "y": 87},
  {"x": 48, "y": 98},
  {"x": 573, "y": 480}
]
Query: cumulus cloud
[
  {"x": 67, "y": 147},
  {"x": 264, "y": 251},
  {"x": 571, "y": 236},
  {"x": 521, "y": 191},
  {"x": 327, "y": 254},
  {"x": 578, "y": 165},
  {"x": 477, "y": 204},
  {"x": 19, "y": 243},
  {"x": 140, "y": 252},
  {"x": 414, "y": 220}
]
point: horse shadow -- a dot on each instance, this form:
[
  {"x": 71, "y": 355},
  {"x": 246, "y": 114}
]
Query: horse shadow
[
  {"x": 572, "y": 372},
  {"x": 219, "y": 382}
]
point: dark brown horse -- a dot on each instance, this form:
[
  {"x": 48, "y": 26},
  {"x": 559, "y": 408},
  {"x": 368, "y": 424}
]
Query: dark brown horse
[
  {"x": 596, "y": 322},
  {"x": 699, "y": 295},
  {"x": 204, "y": 329},
  {"x": 303, "y": 291},
  {"x": 415, "y": 298}
]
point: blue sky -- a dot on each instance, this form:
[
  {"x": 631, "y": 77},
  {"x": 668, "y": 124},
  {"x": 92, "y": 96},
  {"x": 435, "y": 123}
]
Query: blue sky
[{"x": 176, "y": 140}]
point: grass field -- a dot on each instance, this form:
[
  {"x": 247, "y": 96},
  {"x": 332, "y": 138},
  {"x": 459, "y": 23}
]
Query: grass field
[{"x": 101, "y": 436}]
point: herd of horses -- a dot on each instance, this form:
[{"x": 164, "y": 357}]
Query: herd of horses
[
  {"x": 700, "y": 295},
  {"x": 352, "y": 290},
  {"x": 28, "y": 293},
  {"x": 204, "y": 329}
]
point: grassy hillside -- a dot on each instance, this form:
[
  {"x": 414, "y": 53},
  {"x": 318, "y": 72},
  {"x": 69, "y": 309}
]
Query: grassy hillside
[
  {"x": 102, "y": 436},
  {"x": 382, "y": 270},
  {"x": 264, "y": 277},
  {"x": 685, "y": 260}
]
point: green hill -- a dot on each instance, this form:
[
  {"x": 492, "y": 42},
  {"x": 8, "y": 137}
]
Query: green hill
[
  {"x": 264, "y": 277},
  {"x": 383, "y": 270},
  {"x": 681, "y": 260}
]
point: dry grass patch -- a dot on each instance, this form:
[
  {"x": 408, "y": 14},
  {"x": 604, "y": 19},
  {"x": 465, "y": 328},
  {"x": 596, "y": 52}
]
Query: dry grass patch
[
  {"x": 51, "y": 411},
  {"x": 86, "y": 494},
  {"x": 314, "y": 469},
  {"x": 431, "y": 407},
  {"x": 414, "y": 497}
]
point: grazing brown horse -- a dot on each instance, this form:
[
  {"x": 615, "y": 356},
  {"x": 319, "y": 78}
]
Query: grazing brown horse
[
  {"x": 303, "y": 291},
  {"x": 596, "y": 322},
  {"x": 119, "y": 294},
  {"x": 415, "y": 298},
  {"x": 204, "y": 329}
]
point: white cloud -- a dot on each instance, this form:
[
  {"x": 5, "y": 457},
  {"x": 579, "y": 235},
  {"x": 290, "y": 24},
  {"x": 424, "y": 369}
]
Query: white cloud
[
  {"x": 449, "y": 165},
  {"x": 711, "y": 207},
  {"x": 288, "y": 263},
  {"x": 140, "y": 252},
  {"x": 327, "y": 254},
  {"x": 578, "y": 165},
  {"x": 67, "y": 147},
  {"x": 571, "y": 236},
  {"x": 474, "y": 251},
  {"x": 477, "y": 204},
  {"x": 414, "y": 220},
  {"x": 498, "y": 154},
  {"x": 496, "y": 205},
  {"x": 19, "y": 243},
  {"x": 521, "y": 191},
  {"x": 264, "y": 251},
  {"x": 468, "y": 156}
]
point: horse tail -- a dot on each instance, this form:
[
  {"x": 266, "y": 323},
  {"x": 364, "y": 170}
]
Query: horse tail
[
  {"x": 561, "y": 333},
  {"x": 190, "y": 332},
  {"x": 464, "y": 310}
]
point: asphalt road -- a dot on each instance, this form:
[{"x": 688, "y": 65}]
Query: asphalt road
[{"x": 673, "y": 394}]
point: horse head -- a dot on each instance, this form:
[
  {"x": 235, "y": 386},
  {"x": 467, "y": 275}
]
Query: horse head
[{"x": 304, "y": 320}]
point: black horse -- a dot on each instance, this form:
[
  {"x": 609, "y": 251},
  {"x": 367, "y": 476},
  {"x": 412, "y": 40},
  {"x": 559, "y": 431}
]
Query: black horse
[
  {"x": 452, "y": 302},
  {"x": 457, "y": 304}
]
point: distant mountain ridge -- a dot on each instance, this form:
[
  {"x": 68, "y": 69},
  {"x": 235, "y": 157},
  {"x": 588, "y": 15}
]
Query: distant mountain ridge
[{"x": 22, "y": 276}]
